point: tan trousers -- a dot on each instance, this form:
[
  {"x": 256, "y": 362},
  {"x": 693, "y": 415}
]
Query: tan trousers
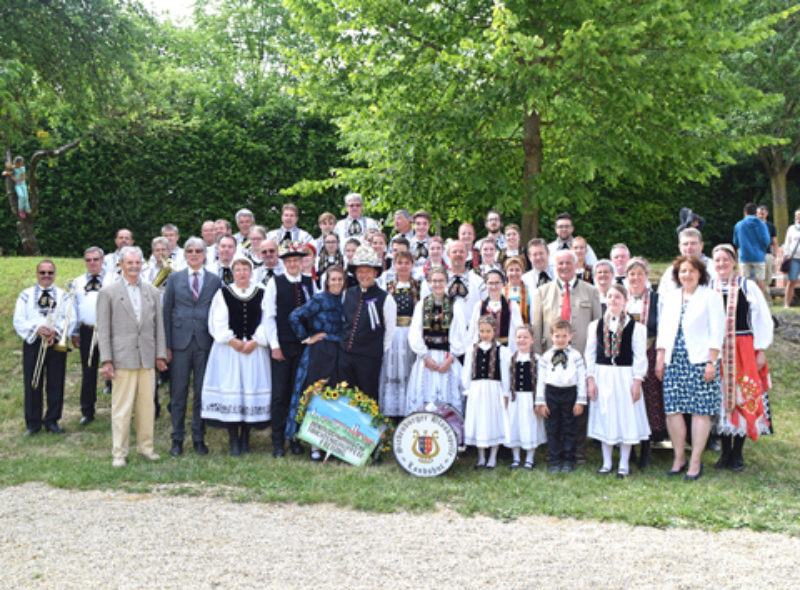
[{"x": 132, "y": 387}]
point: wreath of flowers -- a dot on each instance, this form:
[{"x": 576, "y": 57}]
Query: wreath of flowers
[{"x": 358, "y": 399}]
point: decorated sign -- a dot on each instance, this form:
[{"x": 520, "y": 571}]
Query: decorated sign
[
  {"x": 343, "y": 422},
  {"x": 425, "y": 444}
]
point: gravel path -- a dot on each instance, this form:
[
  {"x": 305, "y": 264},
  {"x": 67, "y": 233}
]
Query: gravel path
[{"x": 52, "y": 538}]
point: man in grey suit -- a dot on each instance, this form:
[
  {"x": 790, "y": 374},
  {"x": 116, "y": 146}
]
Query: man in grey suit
[
  {"x": 574, "y": 300},
  {"x": 187, "y": 300},
  {"x": 130, "y": 336}
]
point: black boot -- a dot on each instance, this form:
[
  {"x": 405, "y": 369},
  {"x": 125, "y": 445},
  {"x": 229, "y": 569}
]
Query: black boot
[
  {"x": 725, "y": 452},
  {"x": 644, "y": 458},
  {"x": 233, "y": 434},
  {"x": 244, "y": 439},
  {"x": 736, "y": 461}
]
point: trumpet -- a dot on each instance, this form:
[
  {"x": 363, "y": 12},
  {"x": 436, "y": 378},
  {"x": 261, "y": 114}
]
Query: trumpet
[
  {"x": 92, "y": 346},
  {"x": 164, "y": 272},
  {"x": 37, "y": 369},
  {"x": 63, "y": 343}
]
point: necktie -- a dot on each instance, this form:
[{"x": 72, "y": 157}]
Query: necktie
[
  {"x": 619, "y": 280},
  {"x": 270, "y": 274},
  {"x": 45, "y": 299},
  {"x": 564, "y": 246},
  {"x": 543, "y": 279},
  {"x": 458, "y": 288},
  {"x": 287, "y": 237},
  {"x": 227, "y": 275},
  {"x": 422, "y": 251},
  {"x": 566, "y": 309},
  {"x": 560, "y": 358},
  {"x": 355, "y": 228},
  {"x": 195, "y": 286},
  {"x": 93, "y": 284}
]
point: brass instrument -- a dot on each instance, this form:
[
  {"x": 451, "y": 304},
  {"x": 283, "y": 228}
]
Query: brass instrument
[
  {"x": 164, "y": 271},
  {"x": 37, "y": 369},
  {"x": 69, "y": 301},
  {"x": 93, "y": 345}
]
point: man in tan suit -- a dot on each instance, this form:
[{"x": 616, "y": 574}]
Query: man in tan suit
[
  {"x": 130, "y": 336},
  {"x": 576, "y": 301}
]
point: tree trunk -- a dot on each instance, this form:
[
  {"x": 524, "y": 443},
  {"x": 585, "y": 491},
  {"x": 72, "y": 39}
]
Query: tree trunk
[
  {"x": 780, "y": 211},
  {"x": 25, "y": 228},
  {"x": 532, "y": 146}
]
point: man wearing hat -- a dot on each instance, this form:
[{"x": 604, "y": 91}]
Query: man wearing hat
[
  {"x": 285, "y": 293},
  {"x": 369, "y": 320}
]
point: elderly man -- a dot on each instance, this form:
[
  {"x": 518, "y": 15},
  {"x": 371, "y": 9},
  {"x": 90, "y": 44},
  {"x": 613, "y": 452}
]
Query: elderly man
[
  {"x": 87, "y": 286},
  {"x": 171, "y": 233},
  {"x": 690, "y": 243},
  {"x": 123, "y": 238},
  {"x": 187, "y": 300},
  {"x": 209, "y": 235},
  {"x": 564, "y": 230},
  {"x": 620, "y": 255},
  {"x": 39, "y": 317},
  {"x": 355, "y": 225},
  {"x": 221, "y": 267},
  {"x": 244, "y": 221},
  {"x": 571, "y": 299},
  {"x": 130, "y": 328},
  {"x": 542, "y": 272},
  {"x": 288, "y": 231},
  {"x": 272, "y": 264},
  {"x": 402, "y": 225}
]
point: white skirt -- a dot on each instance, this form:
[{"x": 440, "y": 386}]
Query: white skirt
[
  {"x": 614, "y": 418},
  {"x": 425, "y": 385},
  {"x": 486, "y": 421},
  {"x": 237, "y": 387},
  {"x": 395, "y": 370},
  {"x": 525, "y": 428}
]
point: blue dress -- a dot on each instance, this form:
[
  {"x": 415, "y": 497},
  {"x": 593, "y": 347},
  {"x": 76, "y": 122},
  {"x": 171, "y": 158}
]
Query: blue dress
[{"x": 321, "y": 313}]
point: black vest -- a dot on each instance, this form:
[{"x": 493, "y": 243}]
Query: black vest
[
  {"x": 625, "y": 357},
  {"x": 360, "y": 338},
  {"x": 244, "y": 315},
  {"x": 522, "y": 378},
  {"x": 742, "y": 311},
  {"x": 504, "y": 318},
  {"x": 480, "y": 367},
  {"x": 289, "y": 296}
]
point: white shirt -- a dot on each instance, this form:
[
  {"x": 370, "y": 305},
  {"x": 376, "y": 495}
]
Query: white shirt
[
  {"x": 135, "y": 295},
  {"x": 271, "y": 307},
  {"x": 28, "y": 316},
  {"x": 504, "y": 362},
  {"x": 558, "y": 244},
  {"x": 639, "y": 346},
  {"x": 476, "y": 291},
  {"x": 456, "y": 336},
  {"x": 86, "y": 301},
  {"x": 218, "y": 325},
  {"x": 298, "y": 235},
  {"x": 342, "y": 229},
  {"x": 574, "y": 373}
]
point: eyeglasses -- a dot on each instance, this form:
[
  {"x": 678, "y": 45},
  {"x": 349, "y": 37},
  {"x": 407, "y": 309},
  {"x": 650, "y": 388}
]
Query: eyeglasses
[
  {"x": 92, "y": 259},
  {"x": 46, "y": 272},
  {"x": 194, "y": 250}
]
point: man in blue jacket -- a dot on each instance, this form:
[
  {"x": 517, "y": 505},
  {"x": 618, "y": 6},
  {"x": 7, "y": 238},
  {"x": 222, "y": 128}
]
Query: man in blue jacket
[{"x": 751, "y": 237}]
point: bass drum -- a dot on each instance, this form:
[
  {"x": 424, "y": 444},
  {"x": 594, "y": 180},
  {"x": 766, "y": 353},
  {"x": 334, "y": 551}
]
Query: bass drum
[{"x": 426, "y": 442}]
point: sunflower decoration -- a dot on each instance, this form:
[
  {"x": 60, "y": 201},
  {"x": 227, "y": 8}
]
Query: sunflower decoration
[{"x": 356, "y": 398}]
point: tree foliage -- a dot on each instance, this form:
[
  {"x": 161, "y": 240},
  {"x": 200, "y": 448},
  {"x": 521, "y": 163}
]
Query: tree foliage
[{"x": 458, "y": 105}]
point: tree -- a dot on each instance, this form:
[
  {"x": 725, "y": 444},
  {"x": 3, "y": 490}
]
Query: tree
[
  {"x": 64, "y": 64},
  {"x": 460, "y": 105},
  {"x": 773, "y": 65}
]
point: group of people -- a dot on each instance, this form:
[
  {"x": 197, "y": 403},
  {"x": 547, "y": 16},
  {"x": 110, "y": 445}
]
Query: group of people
[{"x": 536, "y": 343}]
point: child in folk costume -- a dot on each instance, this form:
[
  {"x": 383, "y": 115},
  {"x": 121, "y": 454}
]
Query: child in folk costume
[
  {"x": 485, "y": 379},
  {"x": 525, "y": 427},
  {"x": 561, "y": 396},
  {"x": 505, "y": 312},
  {"x": 616, "y": 365},
  {"x": 398, "y": 360},
  {"x": 438, "y": 337},
  {"x": 515, "y": 290}
]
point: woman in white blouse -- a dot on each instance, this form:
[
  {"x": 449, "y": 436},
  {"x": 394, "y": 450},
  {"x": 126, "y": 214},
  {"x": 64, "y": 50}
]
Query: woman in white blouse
[{"x": 690, "y": 334}]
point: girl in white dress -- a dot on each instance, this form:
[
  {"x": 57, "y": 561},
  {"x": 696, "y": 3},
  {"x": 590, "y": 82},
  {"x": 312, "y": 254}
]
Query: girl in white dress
[
  {"x": 616, "y": 365},
  {"x": 437, "y": 336},
  {"x": 525, "y": 428},
  {"x": 506, "y": 313},
  {"x": 485, "y": 379}
]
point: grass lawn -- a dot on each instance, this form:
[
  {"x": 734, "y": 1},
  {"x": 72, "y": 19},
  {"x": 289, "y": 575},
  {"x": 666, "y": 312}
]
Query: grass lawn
[{"x": 765, "y": 497}]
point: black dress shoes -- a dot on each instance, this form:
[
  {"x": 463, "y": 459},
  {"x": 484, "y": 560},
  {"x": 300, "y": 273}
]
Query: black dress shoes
[
  {"x": 296, "y": 447},
  {"x": 278, "y": 452},
  {"x": 86, "y": 420},
  {"x": 30, "y": 432},
  {"x": 54, "y": 428},
  {"x": 200, "y": 448},
  {"x": 176, "y": 450}
]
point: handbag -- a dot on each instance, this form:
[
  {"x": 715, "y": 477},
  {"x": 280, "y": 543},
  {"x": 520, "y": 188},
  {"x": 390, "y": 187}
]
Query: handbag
[{"x": 786, "y": 263}]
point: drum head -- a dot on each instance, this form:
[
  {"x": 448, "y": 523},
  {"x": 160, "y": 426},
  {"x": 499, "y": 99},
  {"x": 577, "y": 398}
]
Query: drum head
[{"x": 425, "y": 444}]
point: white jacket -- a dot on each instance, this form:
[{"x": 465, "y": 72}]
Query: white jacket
[{"x": 703, "y": 324}]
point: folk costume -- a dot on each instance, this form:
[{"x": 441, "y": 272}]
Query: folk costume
[
  {"x": 744, "y": 411},
  {"x": 486, "y": 381},
  {"x": 398, "y": 360},
  {"x": 525, "y": 428},
  {"x": 507, "y": 315},
  {"x": 522, "y": 297},
  {"x": 437, "y": 331}
]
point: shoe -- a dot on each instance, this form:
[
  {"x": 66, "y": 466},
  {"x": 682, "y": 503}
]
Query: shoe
[
  {"x": 54, "y": 428},
  {"x": 200, "y": 447},
  {"x": 233, "y": 440},
  {"x": 555, "y": 467},
  {"x": 176, "y": 450},
  {"x": 514, "y": 464},
  {"x": 316, "y": 455},
  {"x": 30, "y": 432},
  {"x": 118, "y": 462},
  {"x": 528, "y": 465},
  {"x": 244, "y": 439},
  {"x": 736, "y": 464},
  {"x": 622, "y": 474},
  {"x": 568, "y": 467},
  {"x": 688, "y": 477},
  {"x": 85, "y": 420},
  {"x": 480, "y": 466},
  {"x": 489, "y": 467},
  {"x": 604, "y": 471},
  {"x": 296, "y": 447},
  {"x": 151, "y": 456},
  {"x": 674, "y": 472},
  {"x": 278, "y": 452}
]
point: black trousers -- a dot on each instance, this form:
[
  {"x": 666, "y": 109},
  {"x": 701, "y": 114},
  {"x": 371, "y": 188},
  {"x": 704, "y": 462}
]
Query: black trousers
[
  {"x": 361, "y": 371},
  {"x": 284, "y": 374},
  {"x": 561, "y": 425},
  {"x": 88, "y": 374},
  {"x": 55, "y": 364},
  {"x": 187, "y": 364}
]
